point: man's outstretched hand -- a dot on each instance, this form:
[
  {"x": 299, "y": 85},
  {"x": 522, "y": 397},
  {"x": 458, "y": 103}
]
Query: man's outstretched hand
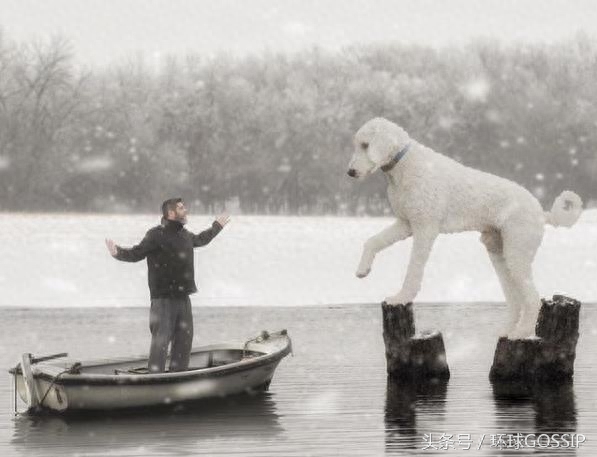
[
  {"x": 223, "y": 219},
  {"x": 111, "y": 247}
]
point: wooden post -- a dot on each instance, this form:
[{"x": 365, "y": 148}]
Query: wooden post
[
  {"x": 548, "y": 357},
  {"x": 410, "y": 356}
]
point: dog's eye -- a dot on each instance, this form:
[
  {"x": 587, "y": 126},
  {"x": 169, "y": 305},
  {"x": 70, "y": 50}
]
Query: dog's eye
[{"x": 364, "y": 145}]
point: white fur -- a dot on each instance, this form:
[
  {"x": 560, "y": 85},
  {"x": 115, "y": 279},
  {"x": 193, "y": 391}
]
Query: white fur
[{"x": 432, "y": 194}]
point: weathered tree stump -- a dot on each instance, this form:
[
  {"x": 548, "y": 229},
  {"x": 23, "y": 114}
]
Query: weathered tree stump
[
  {"x": 410, "y": 356},
  {"x": 548, "y": 357}
]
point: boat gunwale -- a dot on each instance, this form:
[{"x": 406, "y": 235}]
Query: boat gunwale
[{"x": 160, "y": 378}]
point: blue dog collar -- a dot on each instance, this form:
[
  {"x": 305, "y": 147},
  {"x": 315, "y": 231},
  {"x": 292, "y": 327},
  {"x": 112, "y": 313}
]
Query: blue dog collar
[{"x": 392, "y": 163}]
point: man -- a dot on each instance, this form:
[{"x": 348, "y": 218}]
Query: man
[{"x": 168, "y": 248}]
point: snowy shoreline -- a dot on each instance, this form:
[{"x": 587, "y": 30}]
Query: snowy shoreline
[{"x": 59, "y": 260}]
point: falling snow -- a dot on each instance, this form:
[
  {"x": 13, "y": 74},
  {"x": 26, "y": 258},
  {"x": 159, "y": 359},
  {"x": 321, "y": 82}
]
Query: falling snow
[
  {"x": 4, "y": 163},
  {"x": 95, "y": 164},
  {"x": 476, "y": 90}
]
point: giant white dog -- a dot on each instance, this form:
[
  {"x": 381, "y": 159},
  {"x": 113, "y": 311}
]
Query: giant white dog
[{"x": 431, "y": 194}]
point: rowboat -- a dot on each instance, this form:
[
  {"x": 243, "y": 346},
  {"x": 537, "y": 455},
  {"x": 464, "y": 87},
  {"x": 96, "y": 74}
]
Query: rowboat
[{"x": 49, "y": 384}]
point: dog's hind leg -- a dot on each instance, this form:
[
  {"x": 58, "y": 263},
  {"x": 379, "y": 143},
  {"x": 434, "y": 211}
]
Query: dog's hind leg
[
  {"x": 396, "y": 232},
  {"x": 520, "y": 247},
  {"x": 492, "y": 239}
]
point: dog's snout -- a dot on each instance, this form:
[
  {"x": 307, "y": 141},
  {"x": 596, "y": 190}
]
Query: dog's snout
[{"x": 352, "y": 173}]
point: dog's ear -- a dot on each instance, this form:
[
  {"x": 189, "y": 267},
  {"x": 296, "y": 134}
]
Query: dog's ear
[{"x": 388, "y": 139}]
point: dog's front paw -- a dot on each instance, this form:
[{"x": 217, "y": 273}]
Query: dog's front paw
[
  {"x": 507, "y": 330},
  {"x": 362, "y": 272},
  {"x": 399, "y": 299},
  {"x": 521, "y": 333}
]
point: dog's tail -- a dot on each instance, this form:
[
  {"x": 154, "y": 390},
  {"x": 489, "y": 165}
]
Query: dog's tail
[{"x": 565, "y": 211}]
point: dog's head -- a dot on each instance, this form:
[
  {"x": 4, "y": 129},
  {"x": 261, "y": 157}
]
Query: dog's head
[{"x": 375, "y": 145}]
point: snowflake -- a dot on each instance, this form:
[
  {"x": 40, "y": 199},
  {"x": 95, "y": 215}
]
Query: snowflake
[
  {"x": 477, "y": 89},
  {"x": 493, "y": 116},
  {"x": 539, "y": 191},
  {"x": 92, "y": 164},
  {"x": 4, "y": 162},
  {"x": 446, "y": 122}
]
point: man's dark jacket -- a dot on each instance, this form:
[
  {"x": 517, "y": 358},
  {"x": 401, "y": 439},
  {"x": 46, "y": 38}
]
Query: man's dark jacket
[{"x": 169, "y": 251}]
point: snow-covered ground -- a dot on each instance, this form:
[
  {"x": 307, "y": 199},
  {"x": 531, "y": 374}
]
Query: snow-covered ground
[{"x": 61, "y": 260}]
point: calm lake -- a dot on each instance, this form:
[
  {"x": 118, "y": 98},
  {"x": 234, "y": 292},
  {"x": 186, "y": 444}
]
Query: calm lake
[{"x": 330, "y": 398}]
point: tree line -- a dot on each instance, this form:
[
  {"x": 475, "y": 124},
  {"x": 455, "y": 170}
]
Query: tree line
[{"x": 272, "y": 133}]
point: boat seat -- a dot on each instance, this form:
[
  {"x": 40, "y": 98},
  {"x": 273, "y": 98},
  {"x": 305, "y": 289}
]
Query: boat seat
[
  {"x": 138, "y": 370},
  {"x": 145, "y": 370}
]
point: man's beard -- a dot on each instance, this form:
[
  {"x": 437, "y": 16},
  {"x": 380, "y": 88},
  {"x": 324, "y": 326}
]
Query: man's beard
[{"x": 181, "y": 219}]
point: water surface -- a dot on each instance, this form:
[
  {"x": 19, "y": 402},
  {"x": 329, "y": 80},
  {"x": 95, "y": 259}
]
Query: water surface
[{"x": 331, "y": 398}]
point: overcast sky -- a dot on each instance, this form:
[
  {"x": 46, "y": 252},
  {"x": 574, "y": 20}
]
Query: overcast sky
[{"x": 102, "y": 31}]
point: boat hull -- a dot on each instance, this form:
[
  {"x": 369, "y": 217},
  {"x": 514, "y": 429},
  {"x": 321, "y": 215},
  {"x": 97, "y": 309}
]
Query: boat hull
[{"x": 108, "y": 385}]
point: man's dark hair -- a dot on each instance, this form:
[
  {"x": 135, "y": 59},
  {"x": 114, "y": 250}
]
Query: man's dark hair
[{"x": 170, "y": 204}]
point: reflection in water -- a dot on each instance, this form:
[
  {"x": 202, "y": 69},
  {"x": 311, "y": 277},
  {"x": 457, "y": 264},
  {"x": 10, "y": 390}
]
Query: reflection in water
[
  {"x": 404, "y": 401},
  {"x": 176, "y": 429},
  {"x": 329, "y": 400},
  {"x": 537, "y": 408}
]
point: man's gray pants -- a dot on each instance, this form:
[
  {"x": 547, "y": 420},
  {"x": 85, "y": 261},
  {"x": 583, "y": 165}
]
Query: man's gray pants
[{"x": 170, "y": 321}]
